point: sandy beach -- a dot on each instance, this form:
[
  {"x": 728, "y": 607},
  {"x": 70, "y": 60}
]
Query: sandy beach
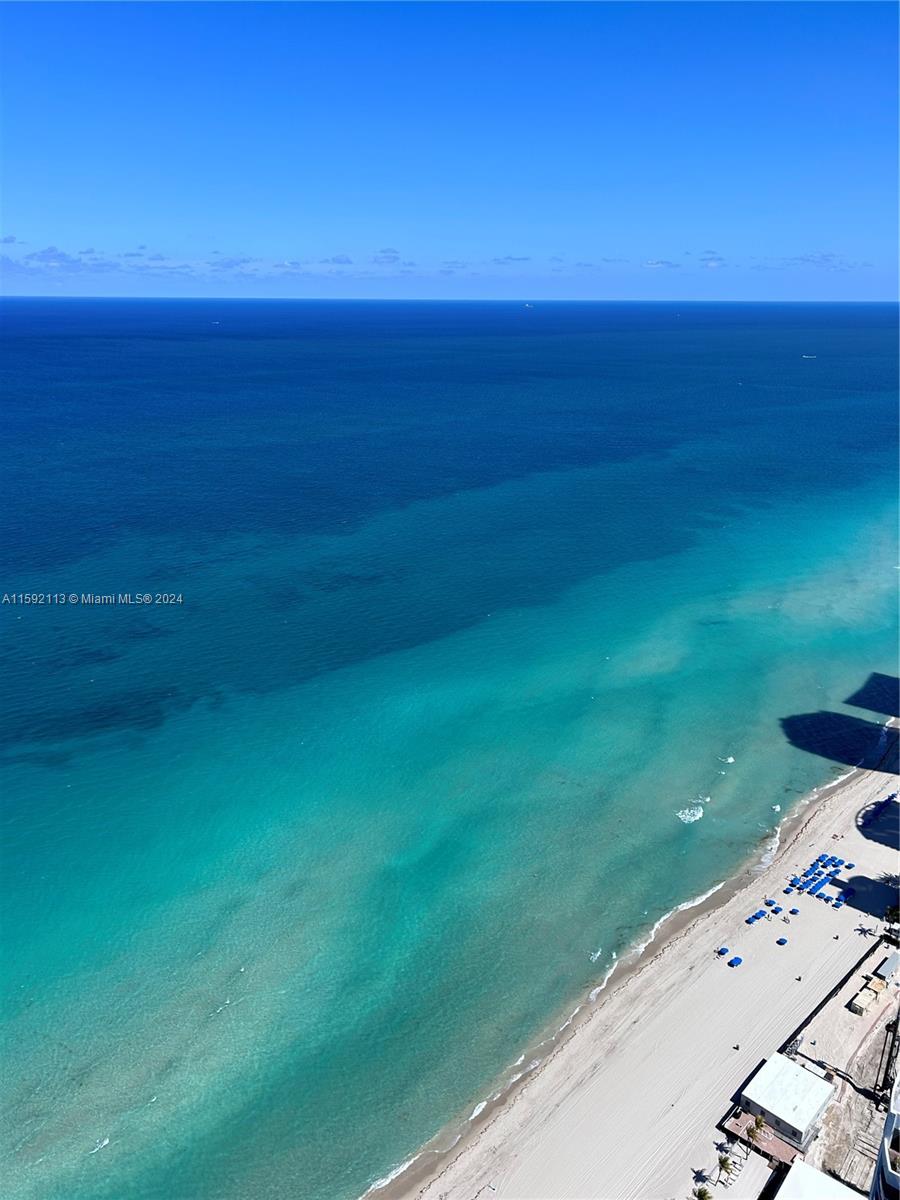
[{"x": 627, "y": 1105}]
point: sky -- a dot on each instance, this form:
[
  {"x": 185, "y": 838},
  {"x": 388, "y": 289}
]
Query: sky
[{"x": 473, "y": 150}]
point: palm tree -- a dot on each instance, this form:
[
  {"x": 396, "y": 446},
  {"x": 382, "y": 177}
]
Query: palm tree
[
  {"x": 752, "y": 1136},
  {"x": 702, "y": 1192},
  {"x": 759, "y": 1122},
  {"x": 724, "y": 1167}
]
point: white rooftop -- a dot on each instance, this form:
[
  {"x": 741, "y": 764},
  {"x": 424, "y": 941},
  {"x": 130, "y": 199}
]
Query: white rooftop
[
  {"x": 889, "y": 967},
  {"x": 787, "y": 1090},
  {"x": 804, "y": 1182}
]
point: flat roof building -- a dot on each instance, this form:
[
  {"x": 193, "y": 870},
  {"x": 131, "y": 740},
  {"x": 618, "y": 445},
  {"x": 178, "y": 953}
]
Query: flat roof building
[
  {"x": 790, "y": 1099},
  {"x": 888, "y": 969},
  {"x": 804, "y": 1182}
]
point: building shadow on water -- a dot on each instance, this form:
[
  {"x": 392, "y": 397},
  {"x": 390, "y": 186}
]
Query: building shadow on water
[
  {"x": 880, "y": 693},
  {"x": 844, "y": 739}
]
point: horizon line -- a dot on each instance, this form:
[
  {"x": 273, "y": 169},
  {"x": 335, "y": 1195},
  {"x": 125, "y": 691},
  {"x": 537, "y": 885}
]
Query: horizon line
[{"x": 468, "y": 299}]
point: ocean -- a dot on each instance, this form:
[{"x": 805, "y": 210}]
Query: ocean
[{"x": 478, "y": 637}]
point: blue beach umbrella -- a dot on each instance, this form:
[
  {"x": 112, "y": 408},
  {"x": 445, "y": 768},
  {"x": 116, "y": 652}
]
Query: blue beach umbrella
[
  {"x": 735, "y": 962},
  {"x": 722, "y": 950},
  {"x": 794, "y": 912},
  {"x": 781, "y": 942}
]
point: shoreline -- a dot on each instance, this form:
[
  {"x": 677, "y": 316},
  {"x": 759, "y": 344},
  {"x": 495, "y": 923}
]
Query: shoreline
[{"x": 460, "y": 1139}]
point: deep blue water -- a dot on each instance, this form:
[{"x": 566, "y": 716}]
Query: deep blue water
[{"x": 297, "y": 867}]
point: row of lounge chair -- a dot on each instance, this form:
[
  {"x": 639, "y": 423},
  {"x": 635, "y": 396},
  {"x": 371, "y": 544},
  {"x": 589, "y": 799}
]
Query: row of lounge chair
[
  {"x": 775, "y": 910},
  {"x": 823, "y": 870}
]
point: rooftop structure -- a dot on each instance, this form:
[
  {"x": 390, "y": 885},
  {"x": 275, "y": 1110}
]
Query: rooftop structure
[
  {"x": 789, "y": 1098},
  {"x": 888, "y": 969},
  {"x": 804, "y": 1182}
]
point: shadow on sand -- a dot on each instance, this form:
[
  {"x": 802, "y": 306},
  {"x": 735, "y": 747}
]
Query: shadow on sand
[
  {"x": 870, "y": 896},
  {"x": 880, "y": 822}
]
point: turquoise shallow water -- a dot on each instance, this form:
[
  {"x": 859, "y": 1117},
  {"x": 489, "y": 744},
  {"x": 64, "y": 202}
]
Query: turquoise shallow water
[{"x": 295, "y": 870}]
